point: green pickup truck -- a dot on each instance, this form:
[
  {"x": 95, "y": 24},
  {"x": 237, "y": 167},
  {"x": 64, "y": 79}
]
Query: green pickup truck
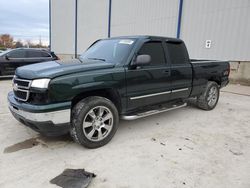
[{"x": 115, "y": 78}]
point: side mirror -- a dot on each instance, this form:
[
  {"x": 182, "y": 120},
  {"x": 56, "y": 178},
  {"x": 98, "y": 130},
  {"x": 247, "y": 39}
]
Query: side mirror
[
  {"x": 7, "y": 57},
  {"x": 142, "y": 60}
]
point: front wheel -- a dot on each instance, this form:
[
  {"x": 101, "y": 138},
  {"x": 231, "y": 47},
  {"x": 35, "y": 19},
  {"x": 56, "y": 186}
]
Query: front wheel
[
  {"x": 209, "y": 98},
  {"x": 94, "y": 122}
]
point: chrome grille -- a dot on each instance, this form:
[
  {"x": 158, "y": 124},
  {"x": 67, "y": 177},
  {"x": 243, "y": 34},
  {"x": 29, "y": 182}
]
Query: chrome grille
[{"x": 21, "y": 88}]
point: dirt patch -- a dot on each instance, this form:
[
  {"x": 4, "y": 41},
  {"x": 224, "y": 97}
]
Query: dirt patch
[
  {"x": 40, "y": 140},
  {"x": 22, "y": 145},
  {"x": 236, "y": 152}
]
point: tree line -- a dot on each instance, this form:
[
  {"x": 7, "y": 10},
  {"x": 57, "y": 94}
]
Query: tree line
[{"x": 7, "y": 41}]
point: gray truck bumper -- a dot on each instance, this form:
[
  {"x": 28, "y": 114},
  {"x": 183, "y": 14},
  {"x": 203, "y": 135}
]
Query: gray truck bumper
[{"x": 50, "y": 120}]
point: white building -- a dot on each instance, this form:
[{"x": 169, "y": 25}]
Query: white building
[{"x": 211, "y": 29}]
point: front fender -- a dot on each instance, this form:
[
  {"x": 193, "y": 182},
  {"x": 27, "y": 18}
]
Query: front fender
[{"x": 65, "y": 88}]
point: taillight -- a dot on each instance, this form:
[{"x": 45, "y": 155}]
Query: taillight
[{"x": 227, "y": 72}]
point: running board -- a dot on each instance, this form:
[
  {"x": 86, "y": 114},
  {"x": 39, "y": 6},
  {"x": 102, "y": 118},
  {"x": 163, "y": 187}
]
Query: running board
[{"x": 151, "y": 112}]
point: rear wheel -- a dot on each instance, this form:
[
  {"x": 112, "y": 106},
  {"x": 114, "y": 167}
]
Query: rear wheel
[
  {"x": 94, "y": 122},
  {"x": 209, "y": 98}
]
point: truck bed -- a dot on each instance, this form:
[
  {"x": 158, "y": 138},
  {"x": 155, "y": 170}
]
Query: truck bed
[{"x": 204, "y": 70}]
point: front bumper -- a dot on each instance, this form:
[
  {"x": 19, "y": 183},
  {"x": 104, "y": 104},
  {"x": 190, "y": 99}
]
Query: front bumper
[{"x": 50, "y": 120}]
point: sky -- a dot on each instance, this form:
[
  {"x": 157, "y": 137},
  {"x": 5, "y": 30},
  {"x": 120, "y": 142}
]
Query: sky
[{"x": 25, "y": 19}]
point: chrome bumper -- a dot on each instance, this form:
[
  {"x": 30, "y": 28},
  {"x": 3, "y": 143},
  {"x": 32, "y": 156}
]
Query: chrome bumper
[{"x": 56, "y": 117}]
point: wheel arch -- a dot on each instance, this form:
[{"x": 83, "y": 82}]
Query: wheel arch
[
  {"x": 109, "y": 93},
  {"x": 215, "y": 79}
]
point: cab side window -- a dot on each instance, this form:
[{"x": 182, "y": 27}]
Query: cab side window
[
  {"x": 34, "y": 53},
  {"x": 155, "y": 50},
  {"x": 177, "y": 52},
  {"x": 17, "y": 54}
]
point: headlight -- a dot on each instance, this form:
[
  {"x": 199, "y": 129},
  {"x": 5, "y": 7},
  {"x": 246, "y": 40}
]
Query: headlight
[{"x": 40, "y": 83}]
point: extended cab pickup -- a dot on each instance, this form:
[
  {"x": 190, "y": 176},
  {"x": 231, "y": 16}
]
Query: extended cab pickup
[{"x": 116, "y": 78}]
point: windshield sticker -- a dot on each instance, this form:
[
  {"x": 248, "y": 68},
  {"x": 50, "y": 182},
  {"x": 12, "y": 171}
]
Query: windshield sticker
[{"x": 126, "y": 42}]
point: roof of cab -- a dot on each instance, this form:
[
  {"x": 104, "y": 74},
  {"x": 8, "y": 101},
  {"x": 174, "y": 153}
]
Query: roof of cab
[
  {"x": 149, "y": 37},
  {"x": 24, "y": 48}
]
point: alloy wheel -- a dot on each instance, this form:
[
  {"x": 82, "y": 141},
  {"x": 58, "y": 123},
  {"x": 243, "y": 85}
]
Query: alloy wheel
[{"x": 98, "y": 123}]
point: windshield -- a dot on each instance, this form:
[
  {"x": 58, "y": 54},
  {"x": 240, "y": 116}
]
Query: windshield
[{"x": 110, "y": 50}]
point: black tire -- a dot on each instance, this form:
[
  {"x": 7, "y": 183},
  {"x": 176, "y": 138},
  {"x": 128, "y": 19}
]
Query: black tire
[
  {"x": 203, "y": 99},
  {"x": 80, "y": 112}
]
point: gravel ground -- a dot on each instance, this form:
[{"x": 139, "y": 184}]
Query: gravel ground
[{"x": 187, "y": 147}]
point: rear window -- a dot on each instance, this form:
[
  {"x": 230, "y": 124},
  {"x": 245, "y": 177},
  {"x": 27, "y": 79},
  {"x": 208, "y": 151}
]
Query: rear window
[
  {"x": 33, "y": 53},
  {"x": 177, "y": 52},
  {"x": 37, "y": 54},
  {"x": 45, "y": 54}
]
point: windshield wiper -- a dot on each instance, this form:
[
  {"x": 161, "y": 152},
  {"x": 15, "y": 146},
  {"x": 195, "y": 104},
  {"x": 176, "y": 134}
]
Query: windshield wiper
[{"x": 97, "y": 59}]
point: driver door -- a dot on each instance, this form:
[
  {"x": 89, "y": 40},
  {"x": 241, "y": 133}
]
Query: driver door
[{"x": 149, "y": 84}]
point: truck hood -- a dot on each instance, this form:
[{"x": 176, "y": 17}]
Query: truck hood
[{"x": 57, "y": 68}]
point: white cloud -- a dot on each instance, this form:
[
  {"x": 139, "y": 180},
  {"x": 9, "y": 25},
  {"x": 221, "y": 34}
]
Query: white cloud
[{"x": 25, "y": 19}]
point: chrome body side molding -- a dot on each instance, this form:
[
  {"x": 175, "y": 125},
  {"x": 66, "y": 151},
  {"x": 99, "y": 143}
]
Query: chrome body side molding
[
  {"x": 178, "y": 90},
  {"x": 156, "y": 94},
  {"x": 150, "y": 95}
]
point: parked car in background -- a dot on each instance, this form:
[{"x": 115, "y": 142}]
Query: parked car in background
[{"x": 11, "y": 59}]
